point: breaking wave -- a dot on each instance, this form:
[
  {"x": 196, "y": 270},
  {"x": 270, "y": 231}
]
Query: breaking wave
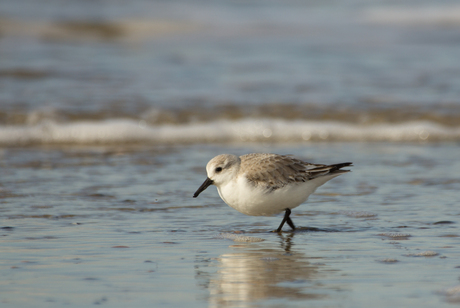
[
  {"x": 121, "y": 131},
  {"x": 424, "y": 15}
]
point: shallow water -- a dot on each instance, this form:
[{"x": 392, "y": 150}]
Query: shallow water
[
  {"x": 109, "y": 113},
  {"x": 118, "y": 225}
]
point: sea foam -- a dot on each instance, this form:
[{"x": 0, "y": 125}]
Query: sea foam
[
  {"x": 119, "y": 131},
  {"x": 423, "y": 15}
]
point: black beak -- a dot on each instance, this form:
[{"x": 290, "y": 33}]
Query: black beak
[{"x": 203, "y": 186}]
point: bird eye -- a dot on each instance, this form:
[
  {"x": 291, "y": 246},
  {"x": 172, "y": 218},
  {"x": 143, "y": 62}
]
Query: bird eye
[{"x": 218, "y": 169}]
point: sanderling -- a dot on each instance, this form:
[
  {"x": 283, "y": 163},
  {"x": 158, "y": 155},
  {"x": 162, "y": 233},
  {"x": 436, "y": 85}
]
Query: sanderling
[{"x": 266, "y": 184}]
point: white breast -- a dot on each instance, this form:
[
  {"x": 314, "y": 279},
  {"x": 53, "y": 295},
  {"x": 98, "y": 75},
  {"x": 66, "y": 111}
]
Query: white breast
[{"x": 259, "y": 201}]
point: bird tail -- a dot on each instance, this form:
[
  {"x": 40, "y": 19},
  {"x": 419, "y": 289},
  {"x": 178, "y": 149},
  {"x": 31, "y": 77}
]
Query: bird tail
[
  {"x": 329, "y": 170},
  {"x": 337, "y": 167}
]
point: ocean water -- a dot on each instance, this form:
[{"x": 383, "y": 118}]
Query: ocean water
[
  {"x": 109, "y": 113},
  {"x": 95, "y": 225}
]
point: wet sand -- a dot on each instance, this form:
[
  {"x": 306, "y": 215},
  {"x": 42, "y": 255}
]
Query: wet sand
[
  {"x": 109, "y": 113},
  {"x": 118, "y": 226}
]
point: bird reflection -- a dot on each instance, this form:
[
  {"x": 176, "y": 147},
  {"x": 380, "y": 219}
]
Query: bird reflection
[
  {"x": 286, "y": 241},
  {"x": 257, "y": 272}
]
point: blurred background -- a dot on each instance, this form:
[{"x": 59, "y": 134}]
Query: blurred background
[
  {"x": 110, "y": 110},
  {"x": 105, "y": 71}
]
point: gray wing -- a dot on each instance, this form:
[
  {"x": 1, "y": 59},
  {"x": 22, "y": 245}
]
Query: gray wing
[{"x": 275, "y": 171}]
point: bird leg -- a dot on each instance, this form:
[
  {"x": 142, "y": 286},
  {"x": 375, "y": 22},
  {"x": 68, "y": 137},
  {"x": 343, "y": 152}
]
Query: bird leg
[
  {"x": 286, "y": 219},
  {"x": 290, "y": 223}
]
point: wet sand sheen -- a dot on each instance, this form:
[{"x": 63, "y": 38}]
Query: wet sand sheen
[
  {"x": 119, "y": 226},
  {"x": 109, "y": 112}
]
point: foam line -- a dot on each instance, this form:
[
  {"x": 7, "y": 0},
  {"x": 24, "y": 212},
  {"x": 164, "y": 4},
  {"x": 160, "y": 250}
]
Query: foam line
[{"x": 120, "y": 131}]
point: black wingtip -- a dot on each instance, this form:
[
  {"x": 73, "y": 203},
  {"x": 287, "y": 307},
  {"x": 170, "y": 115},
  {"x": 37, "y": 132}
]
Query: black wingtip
[{"x": 338, "y": 166}]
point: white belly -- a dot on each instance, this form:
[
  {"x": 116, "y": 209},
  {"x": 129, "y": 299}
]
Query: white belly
[{"x": 258, "y": 201}]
